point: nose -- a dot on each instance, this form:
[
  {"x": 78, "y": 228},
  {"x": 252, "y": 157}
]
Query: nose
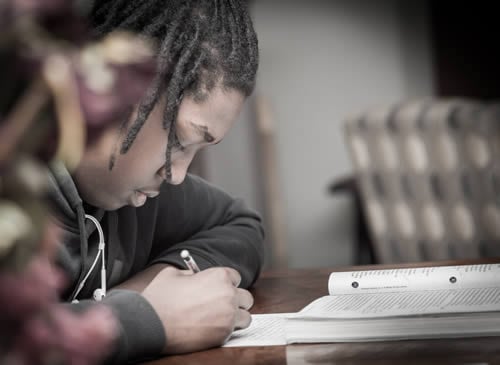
[{"x": 178, "y": 169}]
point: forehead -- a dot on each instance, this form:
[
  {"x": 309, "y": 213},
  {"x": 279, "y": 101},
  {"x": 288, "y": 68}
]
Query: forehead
[{"x": 215, "y": 114}]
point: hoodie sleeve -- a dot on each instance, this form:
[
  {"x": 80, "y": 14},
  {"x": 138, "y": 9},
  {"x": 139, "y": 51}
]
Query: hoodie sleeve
[
  {"x": 139, "y": 335},
  {"x": 217, "y": 229}
]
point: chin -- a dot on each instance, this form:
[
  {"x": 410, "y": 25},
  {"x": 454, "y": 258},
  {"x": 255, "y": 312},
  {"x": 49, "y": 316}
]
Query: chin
[
  {"x": 102, "y": 201},
  {"x": 115, "y": 205}
]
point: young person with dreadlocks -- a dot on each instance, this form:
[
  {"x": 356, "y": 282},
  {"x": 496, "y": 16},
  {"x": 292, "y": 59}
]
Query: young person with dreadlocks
[{"x": 132, "y": 191}]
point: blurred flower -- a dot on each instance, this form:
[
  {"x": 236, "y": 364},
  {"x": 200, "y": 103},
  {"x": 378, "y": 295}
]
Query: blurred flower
[
  {"x": 112, "y": 76},
  {"x": 60, "y": 18},
  {"x": 22, "y": 213},
  {"x": 93, "y": 88},
  {"x": 14, "y": 224},
  {"x": 59, "y": 336},
  {"x": 59, "y": 93},
  {"x": 27, "y": 292},
  {"x": 37, "y": 7}
]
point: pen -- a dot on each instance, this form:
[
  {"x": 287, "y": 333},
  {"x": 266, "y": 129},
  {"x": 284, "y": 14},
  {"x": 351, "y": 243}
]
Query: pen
[{"x": 189, "y": 261}]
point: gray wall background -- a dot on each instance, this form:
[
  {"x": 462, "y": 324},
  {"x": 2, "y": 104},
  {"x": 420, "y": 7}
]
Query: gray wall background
[{"x": 320, "y": 61}]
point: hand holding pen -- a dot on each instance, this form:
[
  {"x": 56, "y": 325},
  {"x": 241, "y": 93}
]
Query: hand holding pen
[
  {"x": 203, "y": 310},
  {"x": 189, "y": 261}
]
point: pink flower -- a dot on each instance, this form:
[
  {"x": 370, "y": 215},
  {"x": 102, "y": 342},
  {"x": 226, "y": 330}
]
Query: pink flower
[{"x": 112, "y": 76}]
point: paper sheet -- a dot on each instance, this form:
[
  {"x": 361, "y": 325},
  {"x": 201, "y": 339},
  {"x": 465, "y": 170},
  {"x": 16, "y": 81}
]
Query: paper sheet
[{"x": 265, "y": 330}]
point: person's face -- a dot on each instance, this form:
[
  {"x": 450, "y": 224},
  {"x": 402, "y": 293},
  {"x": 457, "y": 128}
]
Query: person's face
[{"x": 139, "y": 173}]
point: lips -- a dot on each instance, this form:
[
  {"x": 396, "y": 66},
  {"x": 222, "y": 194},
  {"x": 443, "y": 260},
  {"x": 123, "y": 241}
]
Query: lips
[{"x": 149, "y": 194}]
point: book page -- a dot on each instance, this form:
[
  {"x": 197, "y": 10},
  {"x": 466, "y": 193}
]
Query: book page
[
  {"x": 404, "y": 303},
  {"x": 265, "y": 330},
  {"x": 422, "y": 278}
]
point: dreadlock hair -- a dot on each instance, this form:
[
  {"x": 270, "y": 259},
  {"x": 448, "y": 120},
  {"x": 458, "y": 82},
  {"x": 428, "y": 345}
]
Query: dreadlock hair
[{"x": 200, "y": 44}]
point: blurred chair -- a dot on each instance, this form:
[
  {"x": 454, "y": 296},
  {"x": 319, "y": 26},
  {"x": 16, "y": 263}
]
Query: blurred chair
[
  {"x": 427, "y": 175},
  {"x": 363, "y": 250}
]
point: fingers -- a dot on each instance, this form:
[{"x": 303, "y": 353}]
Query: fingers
[
  {"x": 223, "y": 274},
  {"x": 243, "y": 319},
  {"x": 185, "y": 272},
  {"x": 245, "y": 299},
  {"x": 234, "y": 276}
]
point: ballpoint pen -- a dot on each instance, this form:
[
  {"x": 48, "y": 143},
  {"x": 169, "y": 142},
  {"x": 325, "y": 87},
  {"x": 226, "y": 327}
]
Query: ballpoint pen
[{"x": 189, "y": 261}]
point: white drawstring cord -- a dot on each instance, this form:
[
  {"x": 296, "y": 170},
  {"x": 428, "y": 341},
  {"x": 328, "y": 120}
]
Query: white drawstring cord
[{"x": 99, "y": 293}]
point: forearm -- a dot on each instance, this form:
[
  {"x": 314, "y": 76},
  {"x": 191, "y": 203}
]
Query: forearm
[
  {"x": 239, "y": 249},
  {"x": 142, "y": 279},
  {"x": 217, "y": 229}
]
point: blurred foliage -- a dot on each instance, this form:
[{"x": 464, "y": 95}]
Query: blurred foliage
[{"x": 60, "y": 90}]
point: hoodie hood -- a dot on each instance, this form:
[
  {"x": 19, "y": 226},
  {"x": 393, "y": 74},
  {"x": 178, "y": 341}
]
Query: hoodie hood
[
  {"x": 63, "y": 191},
  {"x": 68, "y": 209}
]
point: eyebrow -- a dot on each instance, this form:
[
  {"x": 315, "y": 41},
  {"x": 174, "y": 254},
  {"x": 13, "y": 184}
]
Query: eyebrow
[{"x": 202, "y": 130}]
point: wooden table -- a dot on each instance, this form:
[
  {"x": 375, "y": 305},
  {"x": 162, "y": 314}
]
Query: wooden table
[{"x": 291, "y": 290}]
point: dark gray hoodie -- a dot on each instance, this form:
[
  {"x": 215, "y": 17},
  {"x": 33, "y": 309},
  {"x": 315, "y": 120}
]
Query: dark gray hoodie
[{"x": 217, "y": 229}]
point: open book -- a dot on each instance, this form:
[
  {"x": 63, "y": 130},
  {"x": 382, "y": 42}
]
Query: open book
[{"x": 397, "y": 304}]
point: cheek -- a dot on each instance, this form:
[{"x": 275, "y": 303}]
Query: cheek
[
  {"x": 133, "y": 172},
  {"x": 186, "y": 156},
  {"x": 139, "y": 166},
  {"x": 120, "y": 181}
]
